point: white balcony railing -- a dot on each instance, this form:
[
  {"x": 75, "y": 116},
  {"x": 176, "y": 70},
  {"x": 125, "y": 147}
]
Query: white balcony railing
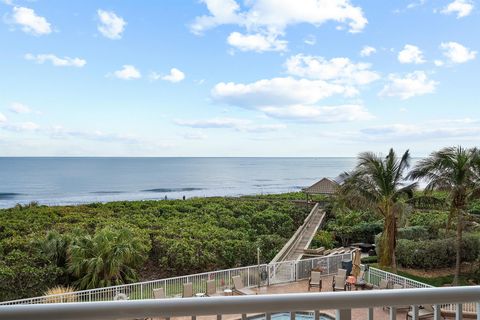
[
  {"x": 252, "y": 276},
  {"x": 341, "y": 302}
]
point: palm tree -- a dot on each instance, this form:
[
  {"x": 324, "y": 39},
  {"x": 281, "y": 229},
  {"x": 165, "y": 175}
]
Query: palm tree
[
  {"x": 378, "y": 183},
  {"x": 110, "y": 257},
  {"x": 54, "y": 247},
  {"x": 455, "y": 170}
]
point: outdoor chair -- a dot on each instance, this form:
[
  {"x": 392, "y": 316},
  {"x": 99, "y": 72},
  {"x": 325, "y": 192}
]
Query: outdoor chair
[
  {"x": 211, "y": 289},
  {"x": 315, "y": 280},
  {"x": 339, "y": 283},
  {"x": 159, "y": 293},
  {"x": 239, "y": 288},
  {"x": 384, "y": 284},
  {"x": 424, "y": 312},
  {"x": 399, "y": 286},
  {"x": 187, "y": 290},
  {"x": 343, "y": 273}
]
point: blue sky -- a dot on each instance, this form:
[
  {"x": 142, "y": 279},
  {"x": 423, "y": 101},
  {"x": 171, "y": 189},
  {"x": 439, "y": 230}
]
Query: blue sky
[{"x": 237, "y": 78}]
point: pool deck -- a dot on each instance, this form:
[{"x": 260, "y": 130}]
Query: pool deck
[{"x": 302, "y": 287}]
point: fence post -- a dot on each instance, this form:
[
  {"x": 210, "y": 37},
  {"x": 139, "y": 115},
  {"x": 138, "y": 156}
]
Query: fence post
[
  {"x": 141, "y": 291},
  {"x": 248, "y": 277}
]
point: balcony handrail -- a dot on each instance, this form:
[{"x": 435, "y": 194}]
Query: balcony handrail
[
  {"x": 103, "y": 293},
  {"x": 181, "y": 307}
]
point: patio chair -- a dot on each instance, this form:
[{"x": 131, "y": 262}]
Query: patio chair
[
  {"x": 384, "y": 284},
  {"x": 187, "y": 290},
  {"x": 315, "y": 280},
  {"x": 239, "y": 288},
  {"x": 424, "y": 312},
  {"x": 159, "y": 293},
  {"x": 338, "y": 283},
  {"x": 343, "y": 273},
  {"x": 211, "y": 289},
  {"x": 399, "y": 308}
]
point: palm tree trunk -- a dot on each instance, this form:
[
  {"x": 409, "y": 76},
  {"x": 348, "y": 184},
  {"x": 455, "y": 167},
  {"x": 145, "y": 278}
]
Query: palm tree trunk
[{"x": 458, "y": 262}]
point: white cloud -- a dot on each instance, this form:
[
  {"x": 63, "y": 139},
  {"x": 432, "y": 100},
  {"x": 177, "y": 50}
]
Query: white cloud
[
  {"x": 128, "y": 72},
  {"x": 411, "y": 85},
  {"x": 56, "y": 61},
  {"x": 438, "y": 63},
  {"x": 30, "y": 21},
  {"x": 197, "y": 135},
  {"x": 337, "y": 70},
  {"x": 367, "y": 51},
  {"x": 59, "y": 132},
  {"x": 276, "y": 91},
  {"x": 457, "y": 53},
  {"x": 438, "y": 129},
  {"x": 174, "y": 76},
  {"x": 18, "y": 107},
  {"x": 256, "y": 42},
  {"x": 2, "y": 118},
  {"x": 111, "y": 25},
  {"x": 323, "y": 114},
  {"x": 416, "y": 4},
  {"x": 462, "y": 8},
  {"x": 272, "y": 17},
  {"x": 411, "y": 54},
  {"x": 21, "y": 126},
  {"x": 311, "y": 40},
  {"x": 231, "y": 123}
]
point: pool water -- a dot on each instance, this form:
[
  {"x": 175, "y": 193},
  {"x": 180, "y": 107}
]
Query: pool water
[{"x": 286, "y": 316}]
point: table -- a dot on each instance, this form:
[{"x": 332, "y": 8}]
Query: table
[
  {"x": 351, "y": 280},
  {"x": 228, "y": 292}
]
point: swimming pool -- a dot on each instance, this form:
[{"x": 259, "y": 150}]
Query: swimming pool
[{"x": 286, "y": 316}]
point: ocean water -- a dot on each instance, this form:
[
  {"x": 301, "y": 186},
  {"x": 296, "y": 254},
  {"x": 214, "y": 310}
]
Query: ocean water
[{"x": 60, "y": 181}]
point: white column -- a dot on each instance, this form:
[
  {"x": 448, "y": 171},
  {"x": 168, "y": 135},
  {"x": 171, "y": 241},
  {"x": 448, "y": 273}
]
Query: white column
[
  {"x": 415, "y": 312},
  {"x": 437, "y": 312},
  {"x": 370, "y": 313},
  {"x": 393, "y": 313},
  {"x": 344, "y": 314},
  {"x": 459, "y": 312}
]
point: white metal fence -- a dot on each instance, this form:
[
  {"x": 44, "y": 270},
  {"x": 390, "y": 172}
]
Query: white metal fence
[
  {"x": 375, "y": 275},
  {"x": 252, "y": 276}
]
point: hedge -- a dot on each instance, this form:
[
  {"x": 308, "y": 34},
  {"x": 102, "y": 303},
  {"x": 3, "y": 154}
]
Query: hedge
[
  {"x": 435, "y": 254},
  {"x": 414, "y": 233}
]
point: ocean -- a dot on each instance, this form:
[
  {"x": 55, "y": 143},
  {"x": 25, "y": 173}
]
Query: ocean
[{"x": 65, "y": 181}]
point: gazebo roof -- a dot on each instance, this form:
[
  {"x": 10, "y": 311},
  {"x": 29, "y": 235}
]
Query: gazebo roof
[{"x": 324, "y": 186}]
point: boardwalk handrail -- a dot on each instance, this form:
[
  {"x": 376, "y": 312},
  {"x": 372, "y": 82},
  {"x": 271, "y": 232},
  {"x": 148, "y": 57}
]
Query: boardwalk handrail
[
  {"x": 343, "y": 302},
  {"x": 297, "y": 236}
]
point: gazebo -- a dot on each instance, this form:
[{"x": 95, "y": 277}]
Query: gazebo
[{"x": 326, "y": 186}]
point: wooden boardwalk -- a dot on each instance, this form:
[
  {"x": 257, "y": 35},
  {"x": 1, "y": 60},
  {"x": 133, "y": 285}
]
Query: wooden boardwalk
[{"x": 293, "y": 249}]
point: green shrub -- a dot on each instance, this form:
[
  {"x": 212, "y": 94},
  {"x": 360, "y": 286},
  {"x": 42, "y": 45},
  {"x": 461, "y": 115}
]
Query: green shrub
[
  {"x": 435, "y": 254},
  {"x": 432, "y": 220},
  {"x": 368, "y": 260},
  {"x": 474, "y": 207},
  {"x": 414, "y": 233},
  {"x": 324, "y": 239}
]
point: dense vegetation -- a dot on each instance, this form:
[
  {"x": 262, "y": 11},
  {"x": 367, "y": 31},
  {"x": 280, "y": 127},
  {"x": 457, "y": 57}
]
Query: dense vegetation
[
  {"x": 104, "y": 244},
  {"x": 435, "y": 228}
]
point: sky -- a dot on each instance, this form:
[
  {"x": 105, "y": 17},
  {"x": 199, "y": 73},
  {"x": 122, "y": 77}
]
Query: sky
[{"x": 295, "y": 78}]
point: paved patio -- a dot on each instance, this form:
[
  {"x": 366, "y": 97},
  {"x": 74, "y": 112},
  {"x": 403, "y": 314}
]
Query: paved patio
[{"x": 302, "y": 287}]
